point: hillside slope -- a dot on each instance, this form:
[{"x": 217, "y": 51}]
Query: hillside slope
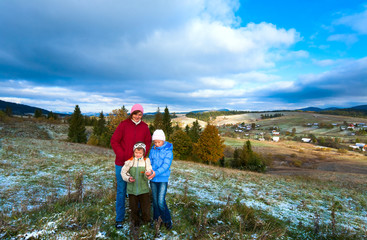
[{"x": 41, "y": 198}]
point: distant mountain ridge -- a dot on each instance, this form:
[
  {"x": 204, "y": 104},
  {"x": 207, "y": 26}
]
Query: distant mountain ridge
[
  {"x": 316, "y": 109},
  {"x": 21, "y": 109}
]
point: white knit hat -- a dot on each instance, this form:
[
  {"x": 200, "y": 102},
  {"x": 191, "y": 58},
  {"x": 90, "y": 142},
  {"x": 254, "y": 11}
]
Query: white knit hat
[{"x": 159, "y": 135}]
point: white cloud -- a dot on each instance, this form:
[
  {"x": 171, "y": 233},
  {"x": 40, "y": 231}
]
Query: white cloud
[
  {"x": 113, "y": 52},
  {"x": 357, "y": 22},
  {"x": 256, "y": 77},
  {"x": 348, "y": 39},
  {"x": 217, "y": 82},
  {"x": 209, "y": 93}
]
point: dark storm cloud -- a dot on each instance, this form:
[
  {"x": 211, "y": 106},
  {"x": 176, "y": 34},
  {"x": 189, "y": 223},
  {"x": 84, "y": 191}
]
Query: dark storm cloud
[{"x": 346, "y": 82}]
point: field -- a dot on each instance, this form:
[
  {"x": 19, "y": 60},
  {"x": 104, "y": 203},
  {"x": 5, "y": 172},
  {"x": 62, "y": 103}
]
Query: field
[{"x": 53, "y": 189}]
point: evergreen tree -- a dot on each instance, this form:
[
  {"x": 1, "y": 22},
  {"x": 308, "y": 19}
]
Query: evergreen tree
[
  {"x": 100, "y": 125},
  {"x": 245, "y": 155},
  {"x": 195, "y": 131},
  {"x": 158, "y": 121},
  {"x": 167, "y": 124},
  {"x": 187, "y": 129},
  {"x": 236, "y": 159},
  {"x": 37, "y": 113},
  {"x": 209, "y": 147},
  {"x": 8, "y": 111},
  {"x": 101, "y": 134},
  {"x": 77, "y": 127},
  {"x": 251, "y": 160},
  {"x": 52, "y": 115},
  {"x": 182, "y": 145},
  {"x": 177, "y": 127}
]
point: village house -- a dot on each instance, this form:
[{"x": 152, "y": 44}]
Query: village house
[
  {"x": 359, "y": 146},
  {"x": 275, "y": 132}
]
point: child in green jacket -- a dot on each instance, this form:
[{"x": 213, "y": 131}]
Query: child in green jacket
[{"x": 136, "y": 172}]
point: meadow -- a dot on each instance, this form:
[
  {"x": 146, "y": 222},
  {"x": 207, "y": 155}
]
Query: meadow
[{"x": 53, "y": 189}]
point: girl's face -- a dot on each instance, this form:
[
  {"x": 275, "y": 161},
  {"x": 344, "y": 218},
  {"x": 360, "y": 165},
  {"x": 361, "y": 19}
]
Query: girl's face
[
  {"x": 158, "y": 143},
  {"x": 137, "y": 116},
  {"x": 139, "y": 153}
]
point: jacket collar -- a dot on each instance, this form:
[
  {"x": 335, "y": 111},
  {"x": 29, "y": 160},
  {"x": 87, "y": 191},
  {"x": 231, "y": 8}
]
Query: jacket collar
[{"x": 136, "y": 123}]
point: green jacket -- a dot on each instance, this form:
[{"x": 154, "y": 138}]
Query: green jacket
[{"x": 136, "y": 168}]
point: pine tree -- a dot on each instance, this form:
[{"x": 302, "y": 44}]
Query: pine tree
[
  {"x": 167, "y": 124},
  {"x": 236, "y": 159},
  {"x": 187, "y": 129},
  {"x": 52, "y": 115},
  {"x": 245, "y": 155},
  {"x": 251, "y": 160},
  {"x": 100, "y": 125},
  {"x": 182, "y": 145},
  {"x": 37, "y": 113},
  {"x": 77, "y": 131},
  {"x": 195, "y": 131},
  {"x": 158, "y": 121},
  {"x": 209, "y": 147},
  {"x": 8, "y": 111}
]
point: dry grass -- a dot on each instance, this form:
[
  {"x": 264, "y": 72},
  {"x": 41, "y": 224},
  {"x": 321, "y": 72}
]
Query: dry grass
[{"x": 61, "y": 190}]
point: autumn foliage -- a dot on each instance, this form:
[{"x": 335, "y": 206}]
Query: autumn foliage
[{"x": 210, "y": 146}]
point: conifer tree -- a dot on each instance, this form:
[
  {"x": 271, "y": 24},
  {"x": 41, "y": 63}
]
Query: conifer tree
[
  {"x": 8, "y": 111},
  {"x": 195, "y": 131},
  {"x": 37, "y": 113},
  {"x": 182, "y": 145},
  {"x": 245, "y": 155},
  {"x": 52, "y": 115},
  {"x": 100, "y": 125},
  {"x": 176, "y": 127},
  {"x": 209, "y": 147},
  {"x": 251, "y": 160},
  {"x": 158, "y": 121},
  {"x": 187, "y": 129},
  {"x": 236, "y": 159},
  {"x": 77, "y": 131},
  {"x": 167, "y": 124}
]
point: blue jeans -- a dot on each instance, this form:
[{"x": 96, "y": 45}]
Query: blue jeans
[
  {"x": 159, "y": 190},
  {"x": 120, "y": 195}
]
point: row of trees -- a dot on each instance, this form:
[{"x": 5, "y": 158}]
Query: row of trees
[
  {"x": 267, "y": 116},
  {"x": 211, "y": 115},
  {"x": 191, "y": 143}
]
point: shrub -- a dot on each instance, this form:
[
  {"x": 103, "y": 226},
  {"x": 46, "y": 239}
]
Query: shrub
[
  {"x": 182, "y": 144},
  {"x": 342, "y": 150}
]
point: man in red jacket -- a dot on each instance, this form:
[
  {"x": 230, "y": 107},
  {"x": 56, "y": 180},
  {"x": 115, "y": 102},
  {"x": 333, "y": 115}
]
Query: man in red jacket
[{"x": 128, "y": 132}]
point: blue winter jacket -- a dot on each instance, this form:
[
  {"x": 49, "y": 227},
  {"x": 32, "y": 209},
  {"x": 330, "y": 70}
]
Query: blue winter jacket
[{"x": 161, "y": 160}]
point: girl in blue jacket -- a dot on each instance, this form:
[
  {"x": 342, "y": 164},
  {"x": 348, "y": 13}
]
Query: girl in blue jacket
[{"x": 161, "y": 155}]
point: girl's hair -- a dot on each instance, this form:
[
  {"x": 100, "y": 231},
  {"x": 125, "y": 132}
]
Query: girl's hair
[
  {"x": 139, "y": 146},
  {"x": 135, "y": 112}
]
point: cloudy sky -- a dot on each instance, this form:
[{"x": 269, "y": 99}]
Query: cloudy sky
[{"x": 188, "y": 55}]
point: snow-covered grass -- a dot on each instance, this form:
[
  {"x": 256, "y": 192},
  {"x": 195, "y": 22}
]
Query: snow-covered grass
[{"x": 39, "y": 200}]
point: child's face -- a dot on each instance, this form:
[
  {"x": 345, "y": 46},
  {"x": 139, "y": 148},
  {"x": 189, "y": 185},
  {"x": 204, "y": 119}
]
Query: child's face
[
  {"x": 138, "y": 153},
  {"x": 158, "y": 143}
]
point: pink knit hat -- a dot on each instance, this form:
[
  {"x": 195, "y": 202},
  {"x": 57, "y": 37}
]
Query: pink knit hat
[{"x": 137, "y": 107}]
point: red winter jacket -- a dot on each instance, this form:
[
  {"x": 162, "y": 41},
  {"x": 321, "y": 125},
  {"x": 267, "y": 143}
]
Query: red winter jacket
[{"x": 125, "y": 136}]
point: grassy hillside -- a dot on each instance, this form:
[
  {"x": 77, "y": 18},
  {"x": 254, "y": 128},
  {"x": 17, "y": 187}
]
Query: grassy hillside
[{"x": 52, "y": 189}]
